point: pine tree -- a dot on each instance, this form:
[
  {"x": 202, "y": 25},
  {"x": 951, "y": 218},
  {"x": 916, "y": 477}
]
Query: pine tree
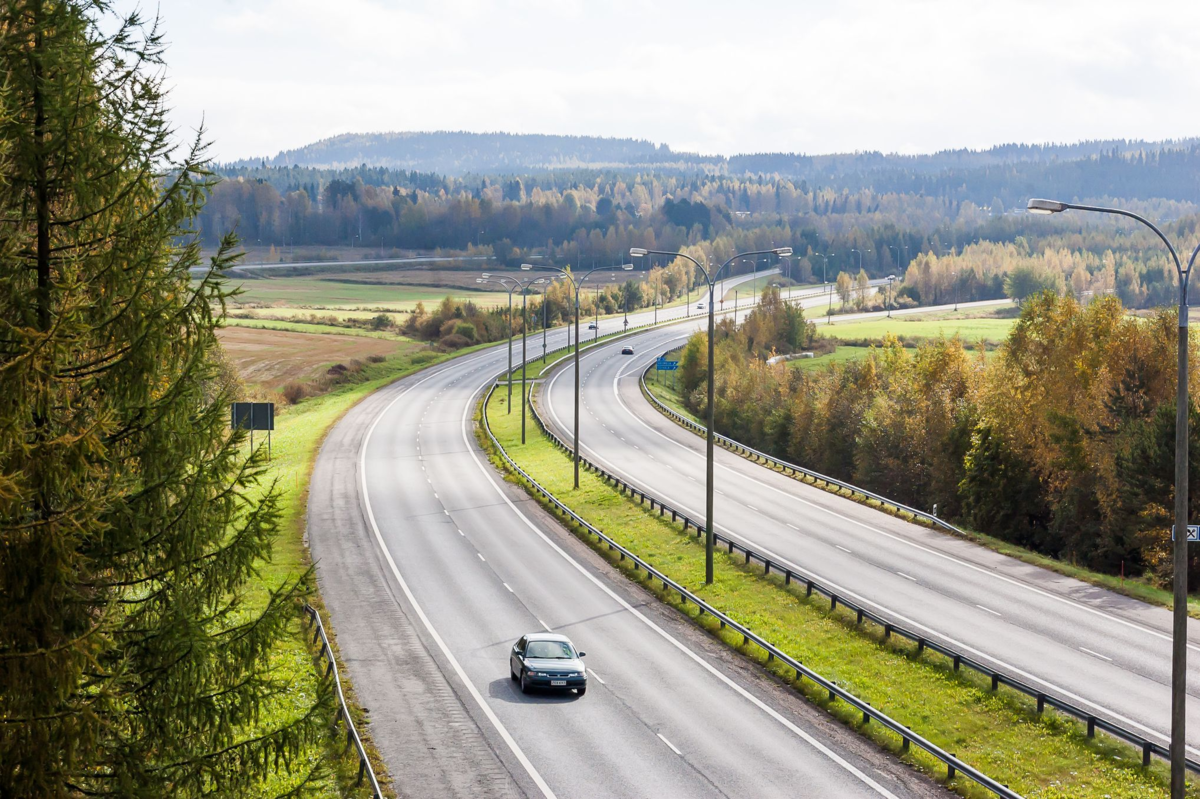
[{"x": 130, "y": 522}]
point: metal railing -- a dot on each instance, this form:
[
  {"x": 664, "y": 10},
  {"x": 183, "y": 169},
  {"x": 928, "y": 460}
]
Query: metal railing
[
  {"x": 890, "y": 628},
  {"x": 343, "y": 712},
  {"x": 907, "y": 736}
]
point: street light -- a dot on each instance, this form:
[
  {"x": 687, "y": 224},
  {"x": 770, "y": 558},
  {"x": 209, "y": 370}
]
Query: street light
[
  {"x": 891, "y": 291},
  {"x": 782, "y": 252},
  {"x": 1179, "y": 532},
  {"x": 504, "y": 281},
  {"x": 575, "y": 286}
]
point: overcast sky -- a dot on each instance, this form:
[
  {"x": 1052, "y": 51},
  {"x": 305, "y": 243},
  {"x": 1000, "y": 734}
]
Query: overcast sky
[{"x": 713, "y": 77}]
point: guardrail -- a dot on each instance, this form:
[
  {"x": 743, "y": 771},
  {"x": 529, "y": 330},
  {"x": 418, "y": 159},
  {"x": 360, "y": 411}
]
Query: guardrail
[
  {"x": 907, "y": 736},
  {"x": 343, "y": 712},
  {"x": 890, "y": 628}
]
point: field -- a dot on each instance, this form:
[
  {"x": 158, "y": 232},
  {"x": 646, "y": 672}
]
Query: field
[
  {"x": 758, "y": 284},
  {"x": 335, "y": 294},
  {"x": 972, "y": 329},
  {"x": 842, "y": 354},
  {"x": 269, "y": 359}
]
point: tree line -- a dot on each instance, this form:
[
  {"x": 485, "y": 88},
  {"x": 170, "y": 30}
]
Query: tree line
[{"x": 1062, "y": 442}]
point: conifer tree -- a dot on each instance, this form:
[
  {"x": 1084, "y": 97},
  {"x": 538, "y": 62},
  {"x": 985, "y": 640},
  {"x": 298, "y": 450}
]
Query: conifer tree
[{"x": 130, "y": 519}]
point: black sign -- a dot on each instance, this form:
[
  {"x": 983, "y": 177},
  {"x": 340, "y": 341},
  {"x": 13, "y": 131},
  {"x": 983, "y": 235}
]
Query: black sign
[{"x": 253, "y": 415}]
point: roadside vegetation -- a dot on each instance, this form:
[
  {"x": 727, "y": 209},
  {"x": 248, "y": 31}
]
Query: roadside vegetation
[
  {"x": 999, "y": 733},
  {"x": 1057, "y": 442}
]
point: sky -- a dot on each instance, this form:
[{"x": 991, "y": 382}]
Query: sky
[{"x": 736, "y": 76}]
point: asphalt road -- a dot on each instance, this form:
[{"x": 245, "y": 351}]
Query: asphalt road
[
  {"x": 1104, "y": 651},
  {"x": 431, "y": 566}
]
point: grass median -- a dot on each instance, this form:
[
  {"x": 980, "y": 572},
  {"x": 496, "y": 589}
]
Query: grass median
[{"x": 999, "y": 733}]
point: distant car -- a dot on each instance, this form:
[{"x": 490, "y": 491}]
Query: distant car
[
  {"x": 627, "y": 350},
  {"x": 700, "y": 306},
  {"x": 547, "y": 660},
  {"x": 591, "y": 325}
]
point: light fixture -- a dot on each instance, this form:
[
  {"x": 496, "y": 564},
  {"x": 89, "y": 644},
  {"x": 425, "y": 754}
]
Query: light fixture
[
  {"x": 526, "y": 267},
  {"x": 1037, "y": 206},
  {"x": 783, "y": 252},
  {"x": 637, "y": 252}
]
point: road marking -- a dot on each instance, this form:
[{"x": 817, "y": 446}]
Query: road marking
[
  {"x": 907, "y": 577},
  {"x": 481, "y": 557},
  {"x": 669, "y": 744},
  {"x": 794, "y": 527},
  {"x": 635, "y": 613},
  {"x": 597, "y": 676},
  {"x": 751, "y": 507},
  {"x": 839, "y": 546},
  {"x": 1097, "y": 654},
  {"x": 989, "y": 610},
  {"x": 506, "y": 585},
  {"x": 546, "y": 626},
  {"x": 433, "y": 633}
]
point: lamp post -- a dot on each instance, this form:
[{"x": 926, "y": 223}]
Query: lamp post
[
  {"x": 891, "y": 291},
  {"x": 575, "y": 285},
  {"x": 504, "y": 281},
  {"x": 1179, "y": 546},
  {"x": 782, "y": 252}
]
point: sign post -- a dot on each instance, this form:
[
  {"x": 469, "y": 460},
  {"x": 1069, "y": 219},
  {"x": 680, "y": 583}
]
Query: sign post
[
  {"x": 1193, "y": 532},
  {"x": 253, "y": 416}
]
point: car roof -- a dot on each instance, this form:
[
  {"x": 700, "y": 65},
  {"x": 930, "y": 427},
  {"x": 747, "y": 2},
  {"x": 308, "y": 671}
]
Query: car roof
[{"x": 547, "y": 637}]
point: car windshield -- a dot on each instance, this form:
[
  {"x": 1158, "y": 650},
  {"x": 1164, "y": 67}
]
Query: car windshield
[{"x": 550, "y": 650}]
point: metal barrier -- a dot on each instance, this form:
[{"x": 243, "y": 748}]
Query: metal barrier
[
  {"x": 890, "y": 627},
  {"x": 343, "y": 712},
  {"x": 907, "y": 736}
]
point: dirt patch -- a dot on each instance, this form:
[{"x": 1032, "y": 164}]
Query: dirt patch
[{"x": 271, "y": 358}]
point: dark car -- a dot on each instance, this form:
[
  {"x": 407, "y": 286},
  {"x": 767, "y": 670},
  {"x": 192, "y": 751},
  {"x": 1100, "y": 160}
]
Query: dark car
[
  {"x": 591, "y": 325},
  {"x": 627, "y": 350},
  {"x": 547, "y": 660}
]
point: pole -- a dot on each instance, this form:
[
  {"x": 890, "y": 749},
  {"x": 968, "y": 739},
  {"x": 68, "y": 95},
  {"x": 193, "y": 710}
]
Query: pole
[
  {"x": 1180, "y": 614},
  {"x": 544, "y": 324},
  {"x": 510, "y": 343},
  {"x": 524, "y": 357},
  {"x": 708, "y": 499},
  {"x": 576, "y": 458}
]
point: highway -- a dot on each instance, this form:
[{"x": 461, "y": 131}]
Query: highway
[
  {"x": 431, "y": 565},
  {"x": 1104, "y": 651}
]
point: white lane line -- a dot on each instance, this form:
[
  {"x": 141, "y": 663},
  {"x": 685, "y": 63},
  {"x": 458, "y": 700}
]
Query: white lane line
[
  {"x": 1097, "y": 654},
  {"x": 591, "y": 674},
  {"x": 670, "y": 745},
  {"x": 433, "y": 633},
  {"x": 989, "y": 610},
  {"x": 839, "y": 546},
  {"x": 794, "y": 527},
  {"x": 635, "y": 613},
  {"x": 506, "y": 585},
  {"x": 481, "y": 557},
  {"x": 751, "y": 507},
  {"x": 965, "y": 647},
  {"x": 545, "y": 626},
  {"x": 907, "y": 576}
]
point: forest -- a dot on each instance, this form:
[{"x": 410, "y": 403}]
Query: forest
[{"x": 1062, "y": 442}]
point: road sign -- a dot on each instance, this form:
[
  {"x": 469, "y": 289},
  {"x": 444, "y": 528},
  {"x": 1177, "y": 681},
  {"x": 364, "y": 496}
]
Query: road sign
[
  {"x": 1193, "y": 532},
  {"x": 253, "y": 415},
  {"x": 663, "y": 365}
]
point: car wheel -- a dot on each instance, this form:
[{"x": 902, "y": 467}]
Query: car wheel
[
  {"x": 524, "y": 684},
  {"x": 581, "y": 691},
  {"x": 512, "y": 675}
]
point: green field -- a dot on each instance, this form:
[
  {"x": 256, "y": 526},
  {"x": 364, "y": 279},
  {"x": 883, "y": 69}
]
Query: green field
[
  {"x": 920, "y": 326},
  {"x": 1000, "y": 733},
  {"x": 842, "y": 354},
  {"x": 315, "y": 292},
  {"x": 758, "y": 284}
]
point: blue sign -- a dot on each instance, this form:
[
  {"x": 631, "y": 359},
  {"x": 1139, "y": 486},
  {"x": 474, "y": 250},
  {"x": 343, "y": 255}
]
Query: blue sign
[
  {"x": 1193, "y": 532},
  {"x": 663, "y": 365}
]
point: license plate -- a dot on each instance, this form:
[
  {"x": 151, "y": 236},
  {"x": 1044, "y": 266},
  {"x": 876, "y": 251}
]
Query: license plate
[{"x": 558, "y": 682}]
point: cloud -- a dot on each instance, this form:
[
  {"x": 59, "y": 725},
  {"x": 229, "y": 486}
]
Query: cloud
[{"x": 701, "y": 75}]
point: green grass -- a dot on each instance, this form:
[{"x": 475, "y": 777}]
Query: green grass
[
  {"x": 755, "y": 287},
  {"x": 927, "y": 326},
  {"x": 298, "y": 433},
  {"x": 304, "y": 327},
  {"x": 999, "y": 733},
  {"x": 842, "y": 354},
  {"x": 315, "y": 292}
]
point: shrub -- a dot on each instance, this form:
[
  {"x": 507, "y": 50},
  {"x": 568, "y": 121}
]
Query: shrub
[{"x": 293, "y": 392}]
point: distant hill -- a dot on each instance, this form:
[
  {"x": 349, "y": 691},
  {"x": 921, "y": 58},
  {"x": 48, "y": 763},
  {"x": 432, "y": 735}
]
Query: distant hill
[{"x": 456, "y": 153}]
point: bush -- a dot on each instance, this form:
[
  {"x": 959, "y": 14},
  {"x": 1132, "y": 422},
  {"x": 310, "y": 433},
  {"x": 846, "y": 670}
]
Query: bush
[
  {"x": 466, "y": 330},
  {"x": 454, "y": 342},
  {"x": 376, "y": 358},
  {"x": 293, "y": 392}
]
